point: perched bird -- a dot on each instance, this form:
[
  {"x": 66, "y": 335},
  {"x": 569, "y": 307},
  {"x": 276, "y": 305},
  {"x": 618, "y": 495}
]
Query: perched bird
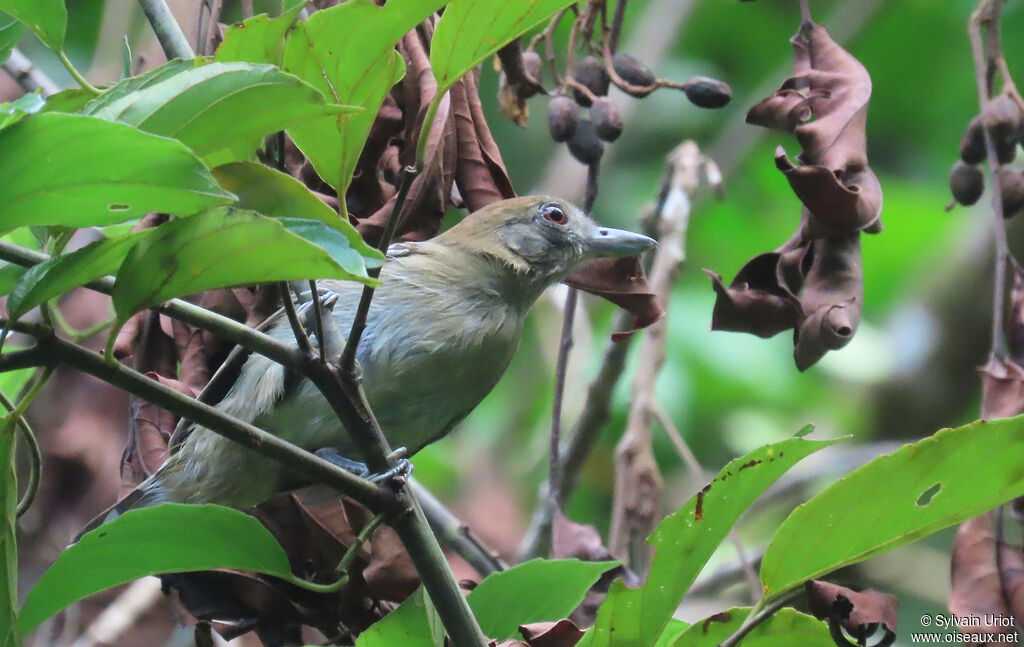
[{"x": 442, "y": 328}]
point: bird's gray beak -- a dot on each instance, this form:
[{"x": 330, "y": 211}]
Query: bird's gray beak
[{"x": 604, "y": 241}]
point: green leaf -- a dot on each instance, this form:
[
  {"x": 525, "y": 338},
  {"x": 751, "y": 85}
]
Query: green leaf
[
  {"x": 8, "y": 539},
  {"x": 471, "y": 30},
  {"x": 11, "y": 31},
  {"x": 259, "y": 39},
  {"x": 13, "y": 111},
  {"x": 217, "y": 249},
  {"x": 169, "y": 538},
  {"x": 135, "y": 83},
  {"x": 59, "y": 274},
  {"x": 414, "y": 623},
  {"x": 69, "y": 100},
  {"x": 352, "y": 66},
  {"x": 673, "y": 630},
  {"x": 539, "y": 590},
  {"x": 10, "y": 274},
  {"x": 336, "y": 244},
  {"x": 95, "y": 182},
  {"x": 787, "y": 627},
  {"x": 896, "y": 499},
  {"x": 220, "y": 105},
  {"x": 47, "y": 18},
  {"x": 13, "y": 382},
  {"x": 685, "y": 540}
]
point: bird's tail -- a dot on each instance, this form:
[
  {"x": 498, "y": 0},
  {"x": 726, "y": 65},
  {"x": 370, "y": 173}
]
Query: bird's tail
[{"x": 148, "y": 493}]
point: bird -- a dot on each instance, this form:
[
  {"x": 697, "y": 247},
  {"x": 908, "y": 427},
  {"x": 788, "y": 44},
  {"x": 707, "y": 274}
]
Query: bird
[{"x": 442, "y": 328}]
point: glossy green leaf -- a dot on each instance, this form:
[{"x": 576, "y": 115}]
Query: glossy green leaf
[
  {"x": 685, "y": 540},
  {"x": 934, "y": 483},
  {"x": 13, "y": 382},
  {"x": 539, "y": 590},
  {"x": 135, "y": 83},
  {"x": 351, "y": 66},
  {"x": 217, "y": 106},
  {"x": 169, "y": 538},
  {"x": 69, "y": 100},
  {"x": 337, "y": 244},
  {"x": 672, "y": 631},
  {"x": 11, "y": 31},
  {"x": 785, "y": 628},
  {"x": 217, "y": 249},
  {"x": 259, "y": 39},
  {"x": 471, "y": 30},
  {"x": 13, "y": 111},
  {"x": 47, "y": 18},
  {"x": 61, "y": 273},
  {"x": 45, "y": 181},
  {"x": 414, "y": 623}
]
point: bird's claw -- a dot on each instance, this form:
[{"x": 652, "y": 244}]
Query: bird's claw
[
  {"x": 397, "y": 476},
  {"x": 332, "y": 456}
]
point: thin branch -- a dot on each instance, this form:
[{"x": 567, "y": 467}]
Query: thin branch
[
  {"x": 348, "y": 356},
  {"x": 759, "y": 614},
  {"x": 27, "y": 75},
  {"x": 301, "y": 338},
  {"x": 212, "y": 26},
  {"x": 616, "y": 28},
  {"x": 318, "y": 319},
  {"x": 554, "y": 494},
  {"x": 168, "y": 31},
  {"x": 16, "y": 417},
  {"x": 456, "y": 535},
  {"x": 986, "y": 16}
]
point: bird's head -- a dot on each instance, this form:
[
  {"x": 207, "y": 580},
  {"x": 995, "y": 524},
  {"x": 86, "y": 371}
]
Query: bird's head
[{"x": 540, "y": 238}]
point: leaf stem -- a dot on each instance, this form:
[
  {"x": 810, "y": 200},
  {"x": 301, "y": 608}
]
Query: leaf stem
[
  {"x": 16, "y": 417},
  {"x": 426, "y": 126},
  {"x": 75, "y": 74}
]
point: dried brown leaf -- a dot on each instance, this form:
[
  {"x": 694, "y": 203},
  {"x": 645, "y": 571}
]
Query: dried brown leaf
[
  {"x": 1002, "y": 389},
  {"x": 855, "y": 610},
  {"x": 982, "y": 586},
  {"x": 758, "y": 301},
  {"x": 832, "y": 298},
  {"x": 623, "y": 282},
  {"x": 563, "y": 633}
]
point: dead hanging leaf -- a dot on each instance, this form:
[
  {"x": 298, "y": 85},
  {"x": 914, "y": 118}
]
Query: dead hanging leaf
[
  {"x": 983, "y": 585},
  {"x": 857, "y": 612},
  {"x": 519, "y": 80},
  {"x": 825, "y": 105},
  {"x": 623, "y": 282},
  {"x": 563, "y": 633},
  {"x": 832, "y": 298},
  {"x": 758, "y": 301},
  {"x": 1002, "y": 389},
  {"x": 473, "y": 175}
]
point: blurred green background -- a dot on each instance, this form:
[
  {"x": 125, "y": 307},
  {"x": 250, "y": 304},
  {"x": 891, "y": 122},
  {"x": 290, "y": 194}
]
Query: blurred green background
[{"x": 912, "y": 365}]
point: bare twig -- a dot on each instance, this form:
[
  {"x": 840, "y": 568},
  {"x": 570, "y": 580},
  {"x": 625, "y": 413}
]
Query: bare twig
[
  {"x": 758, "y": 615},
  {"x": 638, "y": 482},
  {"x": 301, "y": 338},
  {"x": 554, "y": 494},
  {"x": 318, "y": 319},
  {"x": 27, "y": 75},
  {"x": 212, "y": 27},
  {"x": 167, "y": 29},
  {"x": 118, "y": 616}
]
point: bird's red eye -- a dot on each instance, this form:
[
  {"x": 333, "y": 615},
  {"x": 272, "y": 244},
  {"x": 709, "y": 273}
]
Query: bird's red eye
[{"x": 554, "y": 214}]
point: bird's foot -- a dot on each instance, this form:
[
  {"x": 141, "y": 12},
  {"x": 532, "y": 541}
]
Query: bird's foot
[
  {"x": 332, "y": 456},
  {"x": 395, "y": 476}
]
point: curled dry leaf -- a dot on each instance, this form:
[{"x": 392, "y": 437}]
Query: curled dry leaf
[
  {"x": 623, "y": 282},
  {"x": 563, "y": 633},
  {"x": 825, "y": 105},
  {"x": 981, "y": 585},
  {"x": 758, "y": 300},
  {"x": 831, "y": 299},
  {"x": 1002, "y": 389},
  {"x": 856, "y": 611}
]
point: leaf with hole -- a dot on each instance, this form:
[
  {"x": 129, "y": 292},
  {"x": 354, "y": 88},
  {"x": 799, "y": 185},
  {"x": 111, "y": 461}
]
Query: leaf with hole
[
  {"x": 60, "y": 274},
  {"x": 895, "y": 499},
  {"x": 217, "y": 249},
  {"x": 169, "y": 538},
  {"x": 96, "y": 182},
  {"x": 47, "y": 18},
  {"x": 685, "y": 540},
  {"x": 221, "y": 105},
  {"x": 352, "y": 66},
  {"x": 471, "y": 30}
]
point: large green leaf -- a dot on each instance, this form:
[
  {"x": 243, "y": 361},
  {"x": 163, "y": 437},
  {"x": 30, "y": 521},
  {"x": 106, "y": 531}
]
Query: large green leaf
[
  {"x": 11, "y": 31},
  {"x": 10, "y": 274},
  {"x": 217, "y": 106},
  {"x": 135, "y": 83},
  {"x": 950, "y": 476},
  {"x": 414, "y": 623},
  {"x": 47, "y": 18},
  {"x": 59, "y": 274},
  {"x": 348, "y": 53},
  {"x": 217, "y": 249},
  {"x": 113, "y": 172},
  {"x": 539, "y": 590},
  {"x": 785, "y": 628},
  {"x": 471, "y": 30},
  {"x": 259, "y": 39},
  {"x": 170, "y": 538},
  {"x": 8, "y": 539},
  {"x": 685, "y": 540}
]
